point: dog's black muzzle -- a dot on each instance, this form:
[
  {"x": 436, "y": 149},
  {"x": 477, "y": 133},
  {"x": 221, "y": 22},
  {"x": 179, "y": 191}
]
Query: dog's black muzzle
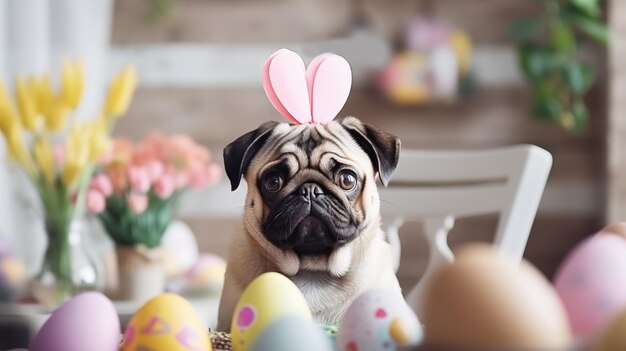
[{"x": 310, "y": 221}]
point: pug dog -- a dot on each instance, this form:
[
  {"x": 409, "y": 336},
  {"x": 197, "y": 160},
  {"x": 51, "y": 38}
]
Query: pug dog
[{"x": 312, "y": 212}]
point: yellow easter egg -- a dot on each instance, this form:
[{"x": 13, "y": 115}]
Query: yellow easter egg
[
  {"x": 167, "y": 322},
  {"x": 12, "y": 271},
  {"x": 268, "y": 298}
]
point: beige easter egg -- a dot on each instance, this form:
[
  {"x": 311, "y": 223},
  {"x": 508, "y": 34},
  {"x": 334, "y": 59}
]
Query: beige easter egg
[
  {"x": 614, "y": 337},
  {"x": 486, "y": 301}
]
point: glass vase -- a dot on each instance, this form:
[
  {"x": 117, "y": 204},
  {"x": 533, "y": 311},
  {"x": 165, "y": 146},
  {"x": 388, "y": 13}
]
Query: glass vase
[{"x": 69, "y": 265}]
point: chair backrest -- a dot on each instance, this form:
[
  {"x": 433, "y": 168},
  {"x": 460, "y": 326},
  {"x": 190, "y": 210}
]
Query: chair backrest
[{"x": 435, "y": 187}]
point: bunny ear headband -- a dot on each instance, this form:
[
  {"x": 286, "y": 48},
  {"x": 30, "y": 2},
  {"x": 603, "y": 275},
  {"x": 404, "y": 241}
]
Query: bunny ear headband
[{"x": 314, "y": 95}]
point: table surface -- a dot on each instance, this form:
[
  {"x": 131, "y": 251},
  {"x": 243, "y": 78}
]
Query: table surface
[{"x": 29, "y": 317}]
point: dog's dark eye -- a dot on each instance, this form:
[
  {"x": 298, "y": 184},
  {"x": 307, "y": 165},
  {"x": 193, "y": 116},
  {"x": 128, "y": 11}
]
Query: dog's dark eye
[
  {"x": 347, "y": 180},
  {"x": 273, "y": 182}
]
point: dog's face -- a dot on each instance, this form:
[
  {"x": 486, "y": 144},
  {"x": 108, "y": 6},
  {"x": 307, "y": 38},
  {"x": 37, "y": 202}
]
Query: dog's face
[{"x": 312, "y": 198}]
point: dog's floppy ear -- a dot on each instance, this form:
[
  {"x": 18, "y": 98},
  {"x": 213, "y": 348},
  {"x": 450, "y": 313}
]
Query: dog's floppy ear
[
  {"x": 239, "y": 153},
  {"x": 382, "y": 148}
]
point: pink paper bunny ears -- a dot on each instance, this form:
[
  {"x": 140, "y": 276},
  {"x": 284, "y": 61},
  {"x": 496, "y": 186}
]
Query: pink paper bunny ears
[{"x": 314, "y": 95}]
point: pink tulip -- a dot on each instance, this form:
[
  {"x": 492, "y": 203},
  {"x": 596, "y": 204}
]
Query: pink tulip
[
  {"x": 138, "y": 202},
  {"x": 214, "y": 173},
  {"x": 59, "y": 154},
  {"x": 197, "y": 178},
  {"x": 103, "y": 184},
  {"x": 155, "y": 170},
  {"x": 122, "y": 150},
  {"x": 181, "y": 180},
  {"x": 95, "y": 201},
  {"x": 139, "y": 179},
  {"x": 107, "y": 157},
  {"x": 164, "y": 187}
]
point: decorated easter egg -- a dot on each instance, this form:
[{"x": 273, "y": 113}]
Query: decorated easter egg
[
  {"x": 612, "y": 337},
  {"x": 591, "y": 283},
  {"x": 378, "y": 320},
  {"x": 208, "y": 272},
  {"x": 167, "y": 322},
  {"x": 88, "y": 321},
  {"x": 180, "y": 248},
  {"x": 12, "y": 277},
  {"x": 269, "y": 297},
  {"x": 618, "y": 228},
  {"x": 12, "y": 272},
  {"x": 292, "y": 333},
  {"x": 487, "y": 301}
]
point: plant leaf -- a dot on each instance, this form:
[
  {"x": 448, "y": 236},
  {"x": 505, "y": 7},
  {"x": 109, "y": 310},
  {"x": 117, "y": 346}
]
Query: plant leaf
[
  {"x": 594, "y": 29},
  {"x": 546, "y": 105},
  {"x": 588, "y": 7},
  {"x": 580, "y": 115},
  {"x": 527, "y": 28},
  {"x": 535, "y": 61},
  {"x": 578, "y": 76},
  {"x": 563, "y": 37}
]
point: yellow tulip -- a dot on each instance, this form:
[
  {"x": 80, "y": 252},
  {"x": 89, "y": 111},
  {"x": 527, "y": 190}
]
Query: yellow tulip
[
  {"x": 45, "y": 159},
  {"x": 26, "y": 105},
  {"x": 120, "y": 93},
  {"x": 100, "y": 144},
  {"x": 17, "y": 150},
  {"x": 44, "y": 94},
  {"x": 57, "y": 114},
  {"x": 99, "y": 141},
  {"x": 71, "y": 173},
  {"x": 8, "y": 113},
  {"x": 72, "y": 82},
  {"x": 76, "y": 153}
]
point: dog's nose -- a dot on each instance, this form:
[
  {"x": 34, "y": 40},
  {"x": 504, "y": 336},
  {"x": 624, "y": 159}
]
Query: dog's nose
[{"x": 310, "y": 190}]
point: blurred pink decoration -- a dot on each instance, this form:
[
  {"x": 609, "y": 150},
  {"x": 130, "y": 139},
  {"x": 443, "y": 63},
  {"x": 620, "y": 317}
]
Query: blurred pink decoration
[
  {"x": 139, "y": 179},
  {"x": 95, "y": 201},
  {"x": 103, "y": 184},
  {"x": 591, "y": 283},
  {"x": 161, "y": 163},
  {"x": 434, "y": 65},
  {"x": 164, "y": 186},
  {"x": 314, "y": 95},
  {"x": 138, "y": 202},
  {"x": 424, "y": 34},
  {"x": 137, "y": 188}
]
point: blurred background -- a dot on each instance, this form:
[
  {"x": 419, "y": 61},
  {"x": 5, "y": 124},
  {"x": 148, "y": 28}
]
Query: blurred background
[{"x": 439, "y": 74}]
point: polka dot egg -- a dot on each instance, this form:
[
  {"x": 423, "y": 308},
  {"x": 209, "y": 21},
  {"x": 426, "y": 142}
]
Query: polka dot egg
[
  {"x": 378, "y": 320},
  {"x": 591, "y": 283},
  {"x": 268, "y": 298}
]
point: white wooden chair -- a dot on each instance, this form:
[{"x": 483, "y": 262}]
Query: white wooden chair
[{"x": 435, "y": 187}]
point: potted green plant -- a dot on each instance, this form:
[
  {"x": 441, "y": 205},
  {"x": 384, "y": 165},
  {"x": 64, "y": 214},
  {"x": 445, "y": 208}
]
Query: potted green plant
[{"x": 551, "y": 53}]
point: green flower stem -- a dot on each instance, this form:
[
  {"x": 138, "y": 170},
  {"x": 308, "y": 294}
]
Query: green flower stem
[
  {"x": 79, "y": 210},
  {"x": 57, "y": 258}
]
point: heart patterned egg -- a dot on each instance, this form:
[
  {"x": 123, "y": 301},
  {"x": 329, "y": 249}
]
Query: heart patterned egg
[{"x": 167, "y": 322}]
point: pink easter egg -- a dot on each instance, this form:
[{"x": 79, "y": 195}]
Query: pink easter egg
[
  {"x": 86, "y": 322},
  {"x": 591, "y": 283}
]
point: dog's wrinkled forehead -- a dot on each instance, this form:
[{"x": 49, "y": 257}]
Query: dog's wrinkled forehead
[{"x": 311, "y": 146}]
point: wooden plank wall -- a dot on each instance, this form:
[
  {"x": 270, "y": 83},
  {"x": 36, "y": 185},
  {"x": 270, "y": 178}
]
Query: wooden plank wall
[{"x": 573, "y": 205}]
